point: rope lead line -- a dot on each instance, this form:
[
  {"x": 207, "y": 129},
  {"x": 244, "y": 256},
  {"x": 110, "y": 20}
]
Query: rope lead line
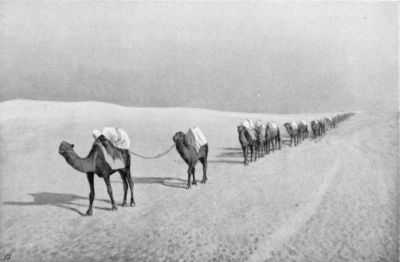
[{"x": 153, "y": 157}]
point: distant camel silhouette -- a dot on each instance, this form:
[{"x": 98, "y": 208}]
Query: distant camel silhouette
[
  {"x": 303, "y": 128},
  {"x": 322, "y": 126},
  {"x": 261, "y": 141},
  {"x": 328, "y": 122},
  {"x": 292, "y": 129},
  {"x": 95, "y": 163},
  {"x": 273, "y": 136},
  {"x": 315, "y": 128},
  {"x": 191, "y": 157},
  {"x": 248, "y": 143}
]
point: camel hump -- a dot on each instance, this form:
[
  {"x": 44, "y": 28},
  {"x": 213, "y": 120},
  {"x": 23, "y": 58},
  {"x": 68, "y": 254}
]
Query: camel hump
[
  {"x": 196, "y": 138},
  {"x": 112, "y": 155},
  {"x": 252, "y": 132},
  {"x": 248, "y": 124},
  {"x": 294, "y": 125},
  {"x": 272, "y": 125}
]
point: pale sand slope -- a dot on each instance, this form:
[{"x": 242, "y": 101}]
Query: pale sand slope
[{"x": 335, "y": 198}]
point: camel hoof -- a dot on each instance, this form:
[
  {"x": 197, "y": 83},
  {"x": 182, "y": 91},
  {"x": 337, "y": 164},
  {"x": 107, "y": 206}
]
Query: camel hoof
[
  {"x": 187, "y": 187},
  {"x": 89, "y": 213},
  {"x": 114, "y": 208},
  {"x": 203, "y": 181},
  {"x": 132, "y": 204},
  {"x": 194, "y": 183},
  {"x": 124, "y": 204}
]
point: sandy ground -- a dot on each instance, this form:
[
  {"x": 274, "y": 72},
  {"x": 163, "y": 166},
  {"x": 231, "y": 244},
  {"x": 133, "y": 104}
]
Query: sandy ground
[{"x": 331, "y": 199}]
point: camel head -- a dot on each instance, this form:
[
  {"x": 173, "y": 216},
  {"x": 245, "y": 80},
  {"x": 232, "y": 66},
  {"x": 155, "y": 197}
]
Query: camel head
[
  {"x": 179, "y": 137},
  {"x": 240, "y": 128},
  {"x": 64, "y": 148},
  {"x": 287, "y": 124}
]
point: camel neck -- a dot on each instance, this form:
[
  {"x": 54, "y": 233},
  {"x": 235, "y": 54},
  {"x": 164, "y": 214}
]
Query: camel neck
[
  {"x": 182, "y": 150},
  {"x": 81, "y": 164},
  {"x": 242, "y": 135}
]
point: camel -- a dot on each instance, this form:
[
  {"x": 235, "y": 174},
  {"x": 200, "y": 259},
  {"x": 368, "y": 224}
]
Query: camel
[
  {"x": 292, "y": 129},
  {"x": 191, "y": 157},
  {"x": 303, "y": 128},
  {"x": 315, "y": 128},
  {"x": 328, "y": 122},
  {"x": 334, "y": 121},
  {"x": 272, "y": 136},
  {"x": 95, "y": 163},
  {"x": 322, "y": 127},
  {"x": 248, "y": 143},
  {"x": 261, "y": 141}
]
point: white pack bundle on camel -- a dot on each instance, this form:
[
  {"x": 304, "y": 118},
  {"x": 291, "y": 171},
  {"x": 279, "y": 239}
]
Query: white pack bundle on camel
[
  {"x": 117, "y": 136},
  {"x": 120, "y": 139},
  {"x": 250, "y": 127},
  {"x": 196, "y": 138}
]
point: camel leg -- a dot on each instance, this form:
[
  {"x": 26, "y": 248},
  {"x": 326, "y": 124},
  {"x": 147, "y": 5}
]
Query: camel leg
[
  {"x": 194, "y": 182},
  {"x": 125, "y": 184},
  {"x": 90, "y": 177},
  {"x": 131, "y": 185},
  {"x": 244, "y": 156},
  {"x": 248, "y": 154},
  {"x": 279, "y": 139},
  {"x": 204, "y": 163},
  {"x": 244, "y": 149},
  {"x": 266, "y": 147},
  {"x": 262, "y": 149},
  {"x": 109, "y": 190},
  {"x": 189, "y": 174}
]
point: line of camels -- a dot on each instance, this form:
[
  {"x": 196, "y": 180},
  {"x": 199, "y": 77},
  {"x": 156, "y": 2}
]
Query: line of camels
[
  {"x": 260, "y": 143},
  {"x": 260, "y": 138}
]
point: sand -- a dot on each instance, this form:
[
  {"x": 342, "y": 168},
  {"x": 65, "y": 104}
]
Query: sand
[{"x": 329, "y": 199}]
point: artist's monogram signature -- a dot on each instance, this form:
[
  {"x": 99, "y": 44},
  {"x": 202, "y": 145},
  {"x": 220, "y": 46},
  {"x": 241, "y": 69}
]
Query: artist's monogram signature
[{"x": 7, "y": 257}]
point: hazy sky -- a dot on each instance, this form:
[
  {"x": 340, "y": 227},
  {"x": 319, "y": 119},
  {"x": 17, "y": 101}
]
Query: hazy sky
[{"x": 257, "y": 57}]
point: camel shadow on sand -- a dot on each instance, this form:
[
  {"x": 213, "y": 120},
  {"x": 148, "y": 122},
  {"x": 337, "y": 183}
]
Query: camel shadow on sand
[
  {"x": 61, "y": 200},
  {"x": 165, "y": 181},
  {"x": 229, "y": 152}
]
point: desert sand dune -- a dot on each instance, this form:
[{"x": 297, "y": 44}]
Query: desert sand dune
[{"x": 333, "y": 198}]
